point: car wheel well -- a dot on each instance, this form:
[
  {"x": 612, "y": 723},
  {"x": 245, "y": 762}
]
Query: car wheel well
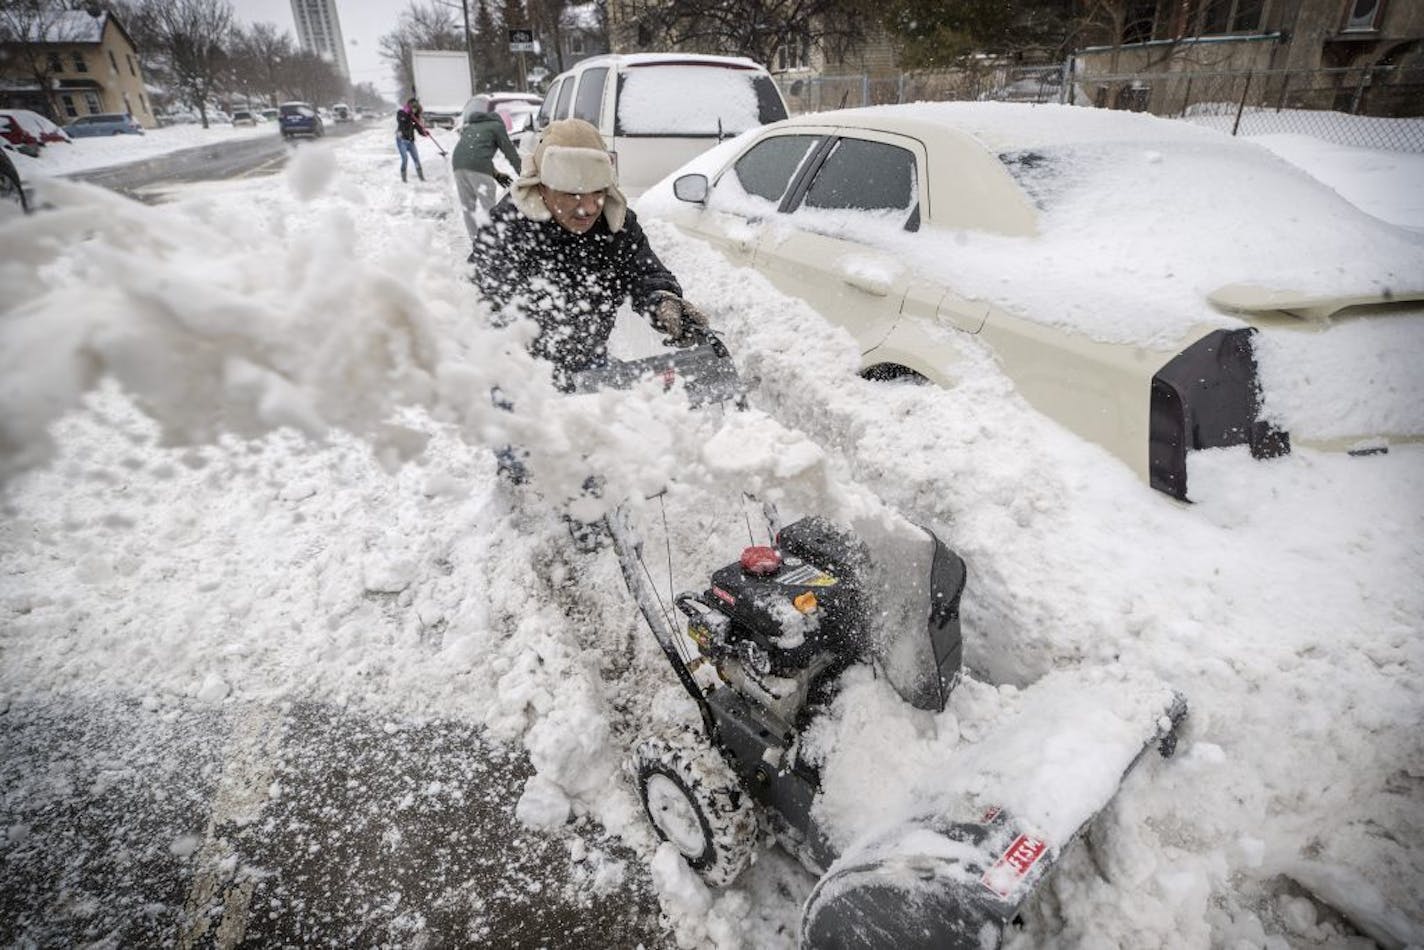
[{"x": 892, "y": 372}]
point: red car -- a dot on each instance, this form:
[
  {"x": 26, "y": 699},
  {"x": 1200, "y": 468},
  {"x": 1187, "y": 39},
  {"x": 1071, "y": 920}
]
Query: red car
[
  {"x": 37, "y": 125},
  {"x": 17, "y": 135}
]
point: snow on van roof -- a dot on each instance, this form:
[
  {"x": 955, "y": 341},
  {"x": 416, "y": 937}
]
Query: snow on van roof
[{"x": 658, "y": 59}]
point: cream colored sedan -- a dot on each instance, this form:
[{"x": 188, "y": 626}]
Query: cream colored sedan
[{"x": 1153, "y": 286}]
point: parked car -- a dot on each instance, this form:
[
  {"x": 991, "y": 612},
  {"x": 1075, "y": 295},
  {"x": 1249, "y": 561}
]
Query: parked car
[
  {"x": 37, "y": 125},
  {"x": 271, "y": 115},
  {"x": 19, "y": 137},
  {"x": 300, "y": 118},
  {"x": 1133, "y": 276},
  {"x": 12, "y": 190},
  {"x": 496, "y": 102},
  {"x": 341, "y": 112},
  {"x": 244, "y": 117},
  {"x": 104, "y": 123},
  {"x": 662, "y": 109}
]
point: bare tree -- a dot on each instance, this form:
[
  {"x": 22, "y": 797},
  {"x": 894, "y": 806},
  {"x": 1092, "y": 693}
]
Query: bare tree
[
  {"x": 934, "y": 33},
  {"x": 420, "y": 26},
  {"x": 193, "y": 40},
  {"x": 30, "y": 33},
  {"x": 547, "y": 19},
  {"x": 755, "y": 28},
  {"x": 261, "y": 55}
]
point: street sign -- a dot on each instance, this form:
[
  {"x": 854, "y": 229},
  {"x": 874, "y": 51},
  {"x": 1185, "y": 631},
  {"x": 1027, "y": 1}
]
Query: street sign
[{"x": 521, "y": 41}]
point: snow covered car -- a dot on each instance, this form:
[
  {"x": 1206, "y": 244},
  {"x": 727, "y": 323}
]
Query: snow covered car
[
  {"x": 244, "y": 117},
  {"x": 663, "y": 108},
  {"x": 18, "y": 137},
  {"x": 37, "y": 125},
  {"x": 104, "y": 123},
  {"x": 1144, "y": 282},
  {"x": 498, "y": 102}
]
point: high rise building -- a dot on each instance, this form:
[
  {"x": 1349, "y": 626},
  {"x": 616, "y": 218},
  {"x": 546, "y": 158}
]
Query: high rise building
[{"x": 319, "y": 30}]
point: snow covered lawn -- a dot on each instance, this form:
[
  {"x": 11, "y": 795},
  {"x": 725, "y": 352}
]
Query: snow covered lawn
[{"x": 170, "y": 567}]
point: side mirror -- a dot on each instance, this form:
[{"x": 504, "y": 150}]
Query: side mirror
[{"x": 691, "y": 188}]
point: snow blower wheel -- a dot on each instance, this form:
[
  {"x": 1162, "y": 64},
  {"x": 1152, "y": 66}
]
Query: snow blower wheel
[{"x": 694, "y": 801}]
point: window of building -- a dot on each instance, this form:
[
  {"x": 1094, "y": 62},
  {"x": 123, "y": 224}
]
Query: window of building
[
  {"x": 132, "y": 71},
  {"x": 92, "y": 103},
  {"x": 1225, "y": 17},
  {"x": 70, "y": 109},
  {"x": 144, "y": 102},
  {"x": 112, "y": 61},
  {"x": 1363, "y": 15},
  {"x": 79, "y": 65},
  {"x": 794, "y": 51},
  {"x": 55, "y": 64},
  {"x": 1139, "y": 21}
]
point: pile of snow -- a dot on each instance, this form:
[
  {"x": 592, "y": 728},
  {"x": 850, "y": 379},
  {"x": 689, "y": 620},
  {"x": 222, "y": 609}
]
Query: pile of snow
[
  {"x": 253, "y": 536},
  {"x": 101, "y": 151}
]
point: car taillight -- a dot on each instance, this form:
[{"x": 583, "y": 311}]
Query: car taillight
[{"x": 1207, "y": 397}]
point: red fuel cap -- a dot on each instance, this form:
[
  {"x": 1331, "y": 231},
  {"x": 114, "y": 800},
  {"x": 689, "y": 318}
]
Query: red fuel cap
[{"x": 761, "y": 560}]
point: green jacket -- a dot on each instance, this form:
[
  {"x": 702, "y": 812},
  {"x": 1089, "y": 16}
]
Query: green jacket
[{"x": 479, "y": 140}]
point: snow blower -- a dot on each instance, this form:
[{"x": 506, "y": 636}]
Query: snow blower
[{"x": 764, "y": 646}]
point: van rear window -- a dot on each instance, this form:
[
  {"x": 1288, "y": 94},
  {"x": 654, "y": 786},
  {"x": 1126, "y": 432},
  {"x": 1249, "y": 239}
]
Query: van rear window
[{"x": 687, "y": 99}]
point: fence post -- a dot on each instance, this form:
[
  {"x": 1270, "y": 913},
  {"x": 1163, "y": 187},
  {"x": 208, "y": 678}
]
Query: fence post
[
  {"x": 1241, "y": 106},
  {"x": 1285, "y": 84},
  {"x": 900, "y": 89},
  {"x": 1360, "y": 91},
  {"x": 1187, "y": 97},
  {"x": 865, "y": 89}
]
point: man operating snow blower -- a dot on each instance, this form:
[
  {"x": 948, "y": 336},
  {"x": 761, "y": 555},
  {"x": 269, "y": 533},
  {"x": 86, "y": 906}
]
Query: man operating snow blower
[{"x": 564, "y": 250}]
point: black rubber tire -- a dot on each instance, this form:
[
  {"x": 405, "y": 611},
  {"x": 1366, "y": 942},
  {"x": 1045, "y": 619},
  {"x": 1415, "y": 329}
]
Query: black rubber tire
[
  {"x": 681, "y": 762},
  {"x": 10, "y": 188}
]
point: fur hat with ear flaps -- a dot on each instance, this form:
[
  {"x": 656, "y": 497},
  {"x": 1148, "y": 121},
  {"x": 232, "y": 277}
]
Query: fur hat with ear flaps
[{"x": 570, "y": 157}]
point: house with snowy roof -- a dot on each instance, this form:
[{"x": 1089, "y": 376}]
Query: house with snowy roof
[{"x": 70, "y": 63}]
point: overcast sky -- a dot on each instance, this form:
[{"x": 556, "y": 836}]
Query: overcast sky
[{"x": 363, "y": 22}]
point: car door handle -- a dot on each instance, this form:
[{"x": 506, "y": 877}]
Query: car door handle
[{"x": 878, "y": 287}]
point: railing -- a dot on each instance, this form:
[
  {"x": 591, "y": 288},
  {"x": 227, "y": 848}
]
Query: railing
[{"x": 1379, "y": 107}]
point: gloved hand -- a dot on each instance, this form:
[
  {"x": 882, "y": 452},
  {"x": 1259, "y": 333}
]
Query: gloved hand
[
  {"x": 675, "y": 317},
  {"x": 504, "y": 180}
]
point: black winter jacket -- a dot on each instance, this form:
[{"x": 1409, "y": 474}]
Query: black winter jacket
[
  {"x": 571, "y": 285},
  {"x": 405, "y": 125}
]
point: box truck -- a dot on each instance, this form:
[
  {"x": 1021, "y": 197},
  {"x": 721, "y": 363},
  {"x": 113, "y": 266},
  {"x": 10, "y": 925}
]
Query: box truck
[{"x": 442, "y": 84}]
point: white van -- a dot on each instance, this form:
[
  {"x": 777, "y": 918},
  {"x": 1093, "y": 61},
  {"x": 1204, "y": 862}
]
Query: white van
[{"x": 662, "y": 109}]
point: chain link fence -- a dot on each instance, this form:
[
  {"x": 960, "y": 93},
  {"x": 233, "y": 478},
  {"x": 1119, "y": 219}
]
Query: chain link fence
[{"x": 1379, "y": 107}]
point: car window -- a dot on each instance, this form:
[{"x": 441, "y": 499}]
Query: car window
[
  {"x": 694, "y": 99},
  {"x": 566, "y": 94},
  {"x": 590, "y": 94},
  {"x": 766, "y": 170},
  {"x": 546, "y": 109},
  {"x": 861, "y": 175}
]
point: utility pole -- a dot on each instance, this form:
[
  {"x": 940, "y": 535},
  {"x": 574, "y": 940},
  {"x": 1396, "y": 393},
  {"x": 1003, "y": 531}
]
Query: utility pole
[{"x": 469, "y": 44}]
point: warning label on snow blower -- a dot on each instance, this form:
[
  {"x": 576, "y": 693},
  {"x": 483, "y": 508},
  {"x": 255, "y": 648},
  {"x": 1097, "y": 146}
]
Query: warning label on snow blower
[{"x": 1013, "y": 865}]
